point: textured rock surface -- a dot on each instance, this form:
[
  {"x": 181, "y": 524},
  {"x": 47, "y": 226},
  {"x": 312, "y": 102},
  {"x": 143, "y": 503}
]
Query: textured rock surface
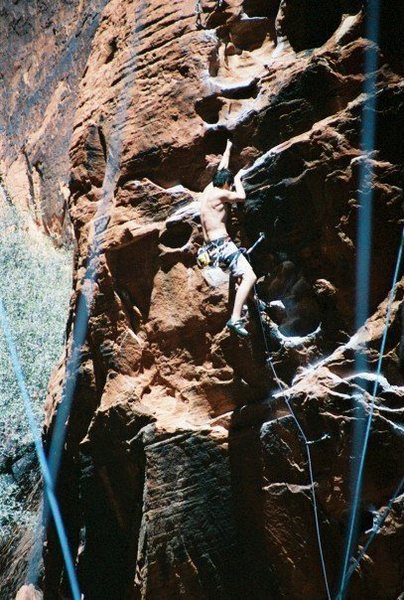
[
  {"x": 43, "y": 55},
  {"x": 184, "y": 475}
]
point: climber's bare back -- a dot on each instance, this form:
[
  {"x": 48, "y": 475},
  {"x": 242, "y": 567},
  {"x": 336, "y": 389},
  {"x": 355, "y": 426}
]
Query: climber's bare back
[{"x": 214, "y": 209}]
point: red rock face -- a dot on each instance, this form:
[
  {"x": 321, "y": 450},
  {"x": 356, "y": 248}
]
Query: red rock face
[
  {"x": 43, "y": 56},
  {"x": 184, "y": 474}
]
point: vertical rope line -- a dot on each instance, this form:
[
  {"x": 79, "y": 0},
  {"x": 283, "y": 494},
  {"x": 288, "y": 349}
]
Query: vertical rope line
[
  {"x": 358, "y": 486},
  {"x": 371, "y": 412},
  {"x": 376, "y": 528},
  {"x": 309, "y": 459},
  {"x": 364, "y": 244},
  {"x": 83, "y": 308},
  {"x": 40, "y": 452}
]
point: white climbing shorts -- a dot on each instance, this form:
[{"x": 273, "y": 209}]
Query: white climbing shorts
[{"x": 224, "y": 253}]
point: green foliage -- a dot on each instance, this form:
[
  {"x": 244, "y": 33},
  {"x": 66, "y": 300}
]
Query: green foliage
[{"x": 35, "y": 282}]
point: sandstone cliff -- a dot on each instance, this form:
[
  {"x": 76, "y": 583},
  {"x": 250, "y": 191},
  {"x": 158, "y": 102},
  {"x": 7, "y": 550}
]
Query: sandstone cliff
[
  {"x": 43, "y": 55},
  {"x": 184, "y": 474}
]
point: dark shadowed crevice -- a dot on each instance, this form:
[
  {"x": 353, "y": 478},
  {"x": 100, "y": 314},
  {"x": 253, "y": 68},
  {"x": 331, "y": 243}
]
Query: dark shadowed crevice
[
  {"x": 176, "y": 235},
  {"x": 209, "y": 109},
  {"x": 84, "y": 405},
  {"x": 103, "y": 142},
  {"x": 242, "y": 92},
  {"x": 112, "y": 47},
  {"x": 250, "y": 34},
  {"x": 133, "y": 268},
  {"x": 257, "y": 580},
  {"x": 261, "y": 8},
  {"x": 129, "y": 306},
  {"x": 310, "y": 23},
  {"x": 111, "y": 526},
  {"x": 96, "y": 153},
  {"x": 391, "y": 37}
]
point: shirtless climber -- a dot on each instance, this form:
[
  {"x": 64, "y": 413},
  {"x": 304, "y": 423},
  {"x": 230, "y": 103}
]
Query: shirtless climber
[{"x": 215, "y": 202}]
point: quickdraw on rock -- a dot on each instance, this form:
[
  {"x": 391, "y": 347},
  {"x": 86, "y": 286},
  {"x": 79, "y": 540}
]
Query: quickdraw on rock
[
  {"x": 203, "y": 258},
  {"x": 199, "y": 12}
]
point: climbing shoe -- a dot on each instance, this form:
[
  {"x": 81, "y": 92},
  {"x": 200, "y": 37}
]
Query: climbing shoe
[{"x": 237, "y": 327}]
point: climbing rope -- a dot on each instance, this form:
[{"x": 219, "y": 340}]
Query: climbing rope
[
  {"x": 100, "y": 220},
  {"x": 40, "y": 452},
  {"x": 309, "y": 461},
  {"x": 364, "y": 244},
  {"x": 377, "y": 526},
  {"x": 359, "y": 479},
  {"x": 307, "y": 443},
  {"x": 85, "y": 297}
]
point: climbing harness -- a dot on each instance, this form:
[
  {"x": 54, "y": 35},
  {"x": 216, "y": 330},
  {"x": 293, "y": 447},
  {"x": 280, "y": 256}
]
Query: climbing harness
[
  {"x": 359, "y": 479},
  {"x": 307, "y": 443},
  {"x": 215, "y": 257},
  {"x": 211, "y": 254}
]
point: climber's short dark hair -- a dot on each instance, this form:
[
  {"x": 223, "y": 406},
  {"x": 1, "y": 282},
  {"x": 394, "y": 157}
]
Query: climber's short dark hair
[{"x": 222, "y": 177}]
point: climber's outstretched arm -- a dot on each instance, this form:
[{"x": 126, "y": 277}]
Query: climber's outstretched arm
[
  {"x": 239, "y": 194},
  {"x": 224, "y": 163}
]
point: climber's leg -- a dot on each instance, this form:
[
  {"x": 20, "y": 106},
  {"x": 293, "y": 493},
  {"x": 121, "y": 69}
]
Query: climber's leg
[{"x": 242, "y": 269}]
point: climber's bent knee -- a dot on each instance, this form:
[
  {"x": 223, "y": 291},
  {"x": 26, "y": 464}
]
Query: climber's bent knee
[{"x": 240, "y": 267}]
